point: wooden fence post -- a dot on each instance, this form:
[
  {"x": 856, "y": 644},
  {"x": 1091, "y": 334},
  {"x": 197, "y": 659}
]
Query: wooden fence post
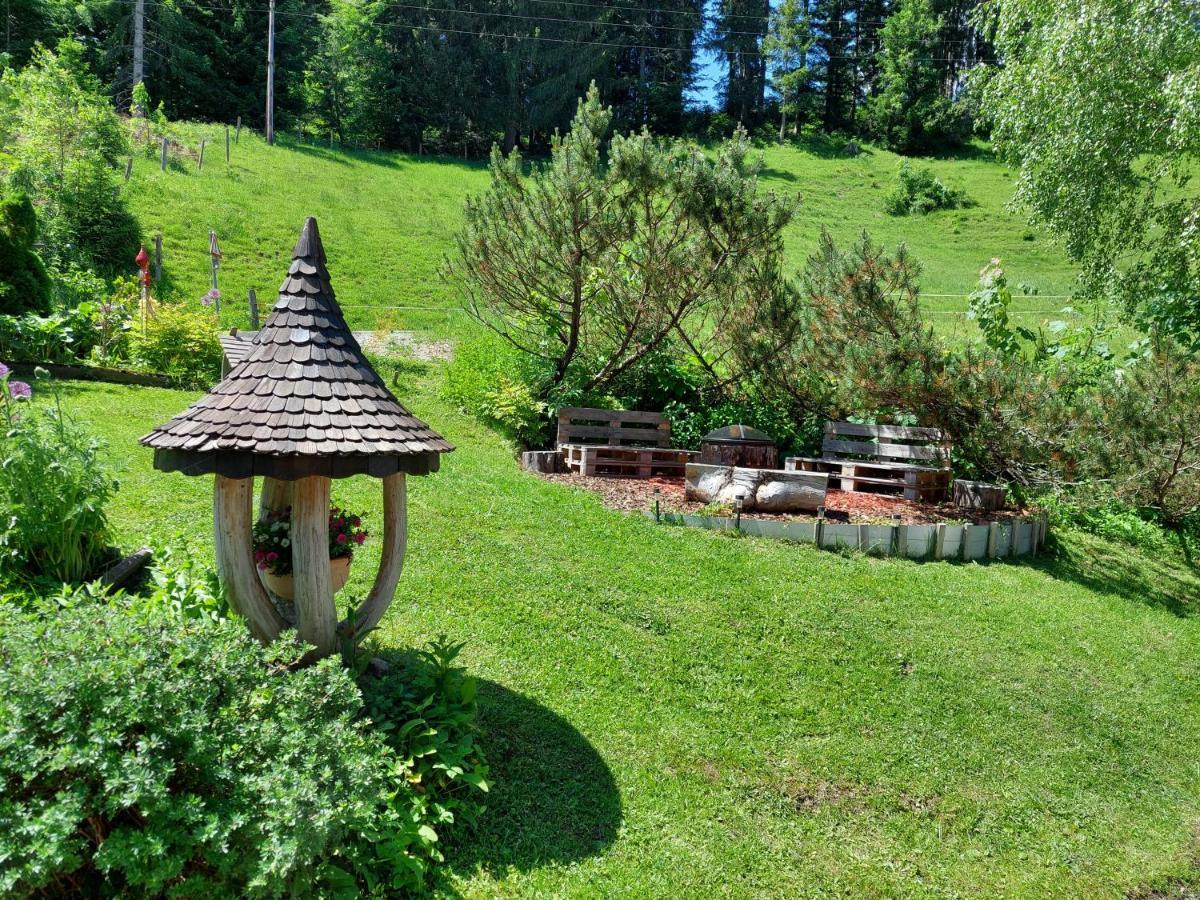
[
  {"x": 200, "y": 164},
  {"x": 157, "y": 257},
  {"x": 163, "y": 161},
  {"x": 226, "y": 145},
  {"x": 253, "y": 310},
  {"x": 128, "y": 169},
  {"x": 237, "y": 137}
]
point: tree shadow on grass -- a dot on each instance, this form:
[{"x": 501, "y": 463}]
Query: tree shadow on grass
[
  {"x": 1111, "y": 568},
  {"x": 553, "y": 799}
]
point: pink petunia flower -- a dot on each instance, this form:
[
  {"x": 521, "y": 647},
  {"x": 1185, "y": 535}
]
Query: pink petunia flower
[
  {"x": 272, "y": 556},
  {"x": 360, "y": 537},
  {"x": 341, "y": 539}
]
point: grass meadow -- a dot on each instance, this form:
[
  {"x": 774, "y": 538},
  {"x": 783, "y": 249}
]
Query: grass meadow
[{"x": 389, "y": 218}]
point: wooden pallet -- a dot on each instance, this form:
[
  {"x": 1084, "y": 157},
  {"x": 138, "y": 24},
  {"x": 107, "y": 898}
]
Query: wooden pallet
[
  {"x": 635, "y": 462},
  {"x": 919, "y": 483}
]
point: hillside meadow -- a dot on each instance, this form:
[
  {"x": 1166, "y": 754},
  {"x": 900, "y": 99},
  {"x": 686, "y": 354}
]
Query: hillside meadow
[
  {"x": 389, "y": 218},
  {"x": 675, "y": 712}
]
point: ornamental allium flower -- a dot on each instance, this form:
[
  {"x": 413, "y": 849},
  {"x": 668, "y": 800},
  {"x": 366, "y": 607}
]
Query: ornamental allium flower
[
  {"x": 19, "y": 390},
  {"x": 4, "y": 370},
  {"x": 341, "y": 538},
  {"x": 206, "y": 300}
]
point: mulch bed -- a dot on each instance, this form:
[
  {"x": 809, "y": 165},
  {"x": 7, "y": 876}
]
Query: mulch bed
[{"x": 637, "y": 494}]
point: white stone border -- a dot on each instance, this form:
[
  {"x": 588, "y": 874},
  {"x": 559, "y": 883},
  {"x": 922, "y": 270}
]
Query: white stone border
[{"x": 997, "y": 540}]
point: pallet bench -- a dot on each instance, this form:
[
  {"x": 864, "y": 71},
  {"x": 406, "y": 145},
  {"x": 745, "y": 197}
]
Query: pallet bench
[
  {"x": 880, "y": 459},
  {"x": 631, "y": 462},
  {"x": 629, "y": 443}
]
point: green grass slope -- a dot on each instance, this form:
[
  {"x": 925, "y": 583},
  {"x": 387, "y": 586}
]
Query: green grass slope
[
  {"x": 388, "y": 219},
  {"x": 673, "y": 712}
]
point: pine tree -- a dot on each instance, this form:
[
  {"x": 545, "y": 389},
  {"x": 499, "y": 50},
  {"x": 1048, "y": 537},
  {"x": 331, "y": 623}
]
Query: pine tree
[{"x": 787, "y": 45}]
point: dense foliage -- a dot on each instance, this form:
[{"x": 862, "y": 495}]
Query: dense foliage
[
  {"x": 453, "y": 78},
  {"x": 1099, "y": 109},
  {"x": 53, "y": 486},
  {"x": 146, "y": 753}
]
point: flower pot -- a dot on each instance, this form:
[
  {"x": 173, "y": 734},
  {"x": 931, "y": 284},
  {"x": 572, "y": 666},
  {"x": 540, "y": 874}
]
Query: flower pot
[{"x": 281, "y": 585}]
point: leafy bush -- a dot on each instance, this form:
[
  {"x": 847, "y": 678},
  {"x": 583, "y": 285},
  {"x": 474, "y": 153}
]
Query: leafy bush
[
  {"x": 54, "y": 487},
  {"x": 24, "y": 284},
  {"x": 143, "y": 756},
  {"x": 179, "y": 341},
  {"x": 918, "y": 190}
]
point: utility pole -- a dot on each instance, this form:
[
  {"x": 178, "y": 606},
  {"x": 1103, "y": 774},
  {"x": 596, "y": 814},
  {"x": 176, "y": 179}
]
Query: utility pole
[
  {"x": 270, "y": 73},
  {"x": 139, "y": 40}
]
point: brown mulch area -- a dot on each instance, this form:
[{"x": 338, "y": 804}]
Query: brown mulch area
[{"x": 637, "y": 494}]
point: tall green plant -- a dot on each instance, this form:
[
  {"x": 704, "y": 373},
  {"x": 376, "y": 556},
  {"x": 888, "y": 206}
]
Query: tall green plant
[{"x": 54, "y": 488}]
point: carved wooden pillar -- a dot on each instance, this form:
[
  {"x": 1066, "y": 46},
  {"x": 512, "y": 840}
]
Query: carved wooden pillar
[
  {"x": 232, "y": 510},
  {"x": 316, "y": 615}
]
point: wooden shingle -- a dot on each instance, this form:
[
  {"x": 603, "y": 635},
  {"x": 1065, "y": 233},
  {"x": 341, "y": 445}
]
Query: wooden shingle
[{"x": 302, "y": 399}]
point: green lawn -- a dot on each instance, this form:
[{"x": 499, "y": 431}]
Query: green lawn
[
  {"x": 388, "y": 219},
  {"x": 673, "y": 712}
]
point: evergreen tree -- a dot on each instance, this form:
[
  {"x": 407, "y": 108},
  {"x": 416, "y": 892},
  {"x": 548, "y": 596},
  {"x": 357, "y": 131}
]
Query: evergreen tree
[
  {"x": 910, "y": 111},
  {"x": 736, "y": 35},
  {"x": 787, "y": 45},
  {"x": 833, "y": 29}
]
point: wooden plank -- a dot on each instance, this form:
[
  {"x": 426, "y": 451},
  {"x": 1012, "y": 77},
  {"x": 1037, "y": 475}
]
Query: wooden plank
[
  {"x": 574, "y": 432},
  {"x": 892, "y": 451},
  {"x": 900, "y": 432},
  {"x": 587, "y": 414}
]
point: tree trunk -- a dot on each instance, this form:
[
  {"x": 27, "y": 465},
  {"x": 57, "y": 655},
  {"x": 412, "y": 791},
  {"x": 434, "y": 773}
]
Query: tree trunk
[{"x": 782, "y": 124}]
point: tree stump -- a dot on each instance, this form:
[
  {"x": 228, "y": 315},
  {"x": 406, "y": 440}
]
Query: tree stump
[
  {"x": 978, "y": 495},
  {"x": 548, "y": 462}
]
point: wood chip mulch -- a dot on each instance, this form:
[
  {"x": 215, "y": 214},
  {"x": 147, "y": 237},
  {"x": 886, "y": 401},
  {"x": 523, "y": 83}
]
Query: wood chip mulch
[{"x": 637, "y": 494}]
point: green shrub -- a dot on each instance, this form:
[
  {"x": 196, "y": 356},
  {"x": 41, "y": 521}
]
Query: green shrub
[
  {"x": 179, "y": 341},
  {"x": 918, "y": 190},
  {"x": 54, "y": 486},
  {"x": 145, "y": 756},
  {"x": 24, "y": 284},
  {"x": 1112, "y": 519},
  {"x": 795, "y": 435}
]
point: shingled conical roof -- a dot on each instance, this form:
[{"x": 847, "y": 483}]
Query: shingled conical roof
[{"x": 304, "y": 400}]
